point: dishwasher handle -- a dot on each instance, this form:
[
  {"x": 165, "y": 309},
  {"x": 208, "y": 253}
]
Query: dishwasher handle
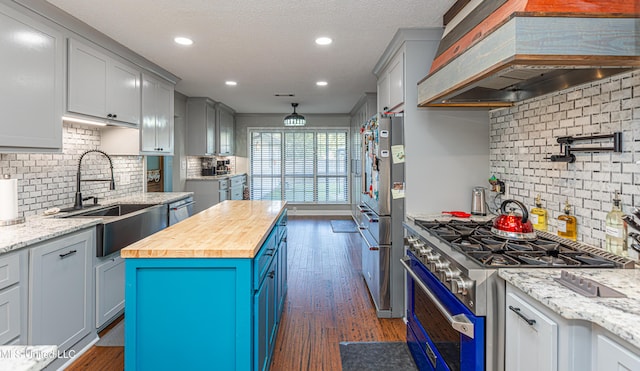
[
  {"x": 182, "y": 206},
  {"x": 458, "y": 322}
]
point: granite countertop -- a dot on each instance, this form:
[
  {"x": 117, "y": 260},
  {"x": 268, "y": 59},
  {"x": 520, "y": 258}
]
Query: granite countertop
[
  {"x": 620, "y": 316},
  {"x": 40, "y": 227},
  {"x": 27, "y": 357},
  {"x": 239, "y": 229},
  {"x": 213, "y": 177}
]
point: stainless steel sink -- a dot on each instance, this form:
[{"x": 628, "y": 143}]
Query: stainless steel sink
[
  {"x": 124, "y": 224},
  {"x": 113, "y": 210}
]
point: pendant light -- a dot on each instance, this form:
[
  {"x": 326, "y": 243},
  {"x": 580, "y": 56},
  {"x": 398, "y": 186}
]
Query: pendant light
[{"x": 294, "y": 119}]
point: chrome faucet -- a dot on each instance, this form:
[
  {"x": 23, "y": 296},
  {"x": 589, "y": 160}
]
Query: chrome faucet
[{"x": 112, "y": 185}]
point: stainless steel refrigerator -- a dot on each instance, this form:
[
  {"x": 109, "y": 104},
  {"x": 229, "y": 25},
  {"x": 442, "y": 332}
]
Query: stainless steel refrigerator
[{"x": 381, "y": 212}]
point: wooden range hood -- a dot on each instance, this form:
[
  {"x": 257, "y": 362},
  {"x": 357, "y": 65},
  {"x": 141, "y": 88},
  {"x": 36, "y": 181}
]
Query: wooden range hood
[{"x": 505, "y": 51}]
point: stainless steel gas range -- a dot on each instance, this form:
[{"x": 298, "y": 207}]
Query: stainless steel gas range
[{"x": 455, "y": 299}]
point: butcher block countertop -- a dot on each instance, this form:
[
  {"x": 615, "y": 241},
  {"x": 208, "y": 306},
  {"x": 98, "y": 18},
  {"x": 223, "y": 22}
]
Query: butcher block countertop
[{"x": 230, "y": 229}]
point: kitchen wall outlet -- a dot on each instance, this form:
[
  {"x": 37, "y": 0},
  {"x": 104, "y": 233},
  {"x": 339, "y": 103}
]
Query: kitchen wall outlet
[{"x": 506, "y": 190}]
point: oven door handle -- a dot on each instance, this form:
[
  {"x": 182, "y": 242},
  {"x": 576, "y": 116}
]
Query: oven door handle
[{"x": 458, "y": 322}]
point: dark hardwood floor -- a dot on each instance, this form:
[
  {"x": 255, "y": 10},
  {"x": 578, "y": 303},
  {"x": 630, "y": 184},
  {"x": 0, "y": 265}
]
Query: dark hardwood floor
[{"x": 327, "y": 303}]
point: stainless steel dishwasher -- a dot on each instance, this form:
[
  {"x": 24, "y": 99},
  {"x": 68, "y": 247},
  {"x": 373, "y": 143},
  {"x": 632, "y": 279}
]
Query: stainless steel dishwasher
[{"x": 180, "y": 210}]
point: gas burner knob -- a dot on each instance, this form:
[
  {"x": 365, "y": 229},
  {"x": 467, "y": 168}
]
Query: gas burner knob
[
  {"x": 450, "y": 274},
  {"x": 461, "y": 285},
  {"x": 431, "y": 257},
  {"x": 441, "y": 265},
  {"x": 416, "y": 247},
  {"x": 425, "y": 250}
]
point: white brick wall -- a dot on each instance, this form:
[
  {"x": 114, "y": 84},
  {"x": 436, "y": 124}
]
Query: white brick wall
[
  {"x": 522, "y": 135},
  {"x": 49, "y": 180}
]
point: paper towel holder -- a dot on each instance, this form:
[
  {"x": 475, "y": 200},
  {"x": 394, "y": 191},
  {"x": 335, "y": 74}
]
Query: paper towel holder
[{"x": 14, "y": 221}]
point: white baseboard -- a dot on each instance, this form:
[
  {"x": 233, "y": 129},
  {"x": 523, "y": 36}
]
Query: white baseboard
[{"x": 311, "y": 212}]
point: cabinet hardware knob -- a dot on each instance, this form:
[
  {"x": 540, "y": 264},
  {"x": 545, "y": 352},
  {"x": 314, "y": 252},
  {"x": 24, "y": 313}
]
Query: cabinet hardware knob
[
  {"x": 62, "y": 256},
  {"x": 114, "y": 115},
  {"x": 272, "y": 274},
  {"x": 109, "y": 115}
]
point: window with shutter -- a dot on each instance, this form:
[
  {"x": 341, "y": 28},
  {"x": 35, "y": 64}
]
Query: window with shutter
[{"x": 299, "y": 165}]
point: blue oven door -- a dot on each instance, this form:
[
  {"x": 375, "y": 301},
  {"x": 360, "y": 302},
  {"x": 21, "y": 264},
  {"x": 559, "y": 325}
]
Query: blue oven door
[{"x": 442, "y": 333}]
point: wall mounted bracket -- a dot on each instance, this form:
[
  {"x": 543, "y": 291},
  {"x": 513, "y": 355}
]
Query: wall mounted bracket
[{"x": 567, "y": 149}]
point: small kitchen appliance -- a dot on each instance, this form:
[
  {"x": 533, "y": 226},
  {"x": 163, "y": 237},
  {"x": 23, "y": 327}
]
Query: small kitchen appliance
[
  {"x": 478, "y": 201},
  {"x": 222, "y": 167}
]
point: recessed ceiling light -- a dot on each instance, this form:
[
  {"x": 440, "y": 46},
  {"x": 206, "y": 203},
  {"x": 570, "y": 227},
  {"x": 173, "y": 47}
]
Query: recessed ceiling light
[
  {"x": 323, "y": 41},
  {"x": 322, "y": 83},
  {"x": 183, "y": 40},
  {"x": 231, "y": 83}
]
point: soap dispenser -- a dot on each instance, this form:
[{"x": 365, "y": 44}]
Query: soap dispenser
[
  {"x": 568, "y": 224},
  {"x": 538, "y": 216},
  {"x": 616, "y": 229}
]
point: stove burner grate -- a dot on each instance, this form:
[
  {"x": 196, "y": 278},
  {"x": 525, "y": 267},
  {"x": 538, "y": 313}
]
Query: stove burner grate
[{"x": 475, "y": 240}]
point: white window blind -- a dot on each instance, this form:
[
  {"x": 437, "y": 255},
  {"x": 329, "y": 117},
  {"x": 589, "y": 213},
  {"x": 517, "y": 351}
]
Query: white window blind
[{"x": 301, "y": 166}]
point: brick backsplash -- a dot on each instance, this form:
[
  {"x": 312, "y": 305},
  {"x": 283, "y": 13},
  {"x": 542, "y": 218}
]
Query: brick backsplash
[
  {"x": 48, "y": 180},
  {"x": 523, "y": 135}
]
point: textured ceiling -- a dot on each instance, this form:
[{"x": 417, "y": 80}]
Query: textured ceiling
[{"x": 267, "y": 46}]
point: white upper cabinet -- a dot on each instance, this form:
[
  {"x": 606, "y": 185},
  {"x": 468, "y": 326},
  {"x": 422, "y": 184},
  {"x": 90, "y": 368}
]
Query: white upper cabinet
[
  {"x": 101, "y": 86},
  {"x": 31, "y": 84},
  {"x": 156, "y": 136},
  {"x": 396, "y": 82},
  {"x": 391, "y": 85}
]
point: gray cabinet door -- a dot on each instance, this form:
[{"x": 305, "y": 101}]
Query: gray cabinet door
[
  {"x": 31, "y": 84},
  {"x": 226, "y": 128},
  {"x": 109, "y": 289},
  {"x": 60, "y": 284},
  {"x": 123, "y": 93},
  {"x": 87, "y": 88},
  {"x": 10, "y": 310},
  {"x": 201, "y": 126},
  {"x": 205, "y": 193},
  {"x": 102, "y": 87},
  {"x": 156, "y": 136}
]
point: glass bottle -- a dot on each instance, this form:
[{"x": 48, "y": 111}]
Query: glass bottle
[
  {"x": 616, "y": 229},
  {"x": 568, "y": 224},
  {"x": 538, "y": 216}
]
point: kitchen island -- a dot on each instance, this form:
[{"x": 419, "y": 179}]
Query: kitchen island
[{"x": 207, "y": 292}]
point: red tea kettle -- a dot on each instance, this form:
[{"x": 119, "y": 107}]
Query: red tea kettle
[{"x": 512, "y": 226}]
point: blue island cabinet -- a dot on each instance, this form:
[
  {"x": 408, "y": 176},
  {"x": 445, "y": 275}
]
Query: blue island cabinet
[{"x": 205, "y": 313}]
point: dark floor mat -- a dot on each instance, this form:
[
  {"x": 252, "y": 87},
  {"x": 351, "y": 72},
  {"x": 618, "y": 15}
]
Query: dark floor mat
[
  {"x": 376, "y": 356},
  {"x": 344, "y": 226}
]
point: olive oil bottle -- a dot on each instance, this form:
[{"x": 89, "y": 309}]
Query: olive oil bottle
[
  {"x": 616, "y": 229},
  {"x": 538, "y": 216},
  {"x": 568, "y": 224}
]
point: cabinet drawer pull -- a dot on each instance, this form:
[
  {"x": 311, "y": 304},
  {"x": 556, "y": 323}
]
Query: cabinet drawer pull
[
  {"x": 62, "y": 256},
  {"x": 530, "y": 322},
  {"x": 270, "y": 252},
  {"x": 272, "y": 274}
]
